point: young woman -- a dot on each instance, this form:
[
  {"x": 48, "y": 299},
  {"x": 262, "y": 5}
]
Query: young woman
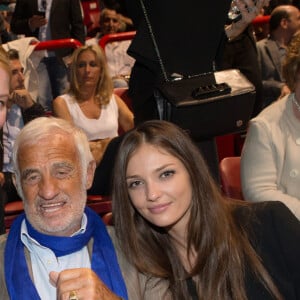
[{"x": 173, "y": 223}]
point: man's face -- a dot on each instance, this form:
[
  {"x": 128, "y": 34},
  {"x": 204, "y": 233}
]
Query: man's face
[
  {"x": 17, "y": 78},
  {"x": 51, "y": 180},
  {"x": 110, "y": 22}
]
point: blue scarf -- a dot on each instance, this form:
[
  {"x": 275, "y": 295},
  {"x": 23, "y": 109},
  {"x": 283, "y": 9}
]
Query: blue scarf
[{"x": 104, "y": 259}]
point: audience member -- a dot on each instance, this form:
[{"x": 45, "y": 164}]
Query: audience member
[
  {"x": 5, "y": 35},
  {"x": 239, "y": 52},
  {"x": 284, "y": 22},
  {"x": 90, "y": 103},
  {"x": 50, "y": 20},
  {"x": 173, "y": 223},
  {"x": 21, "y": 109},
  {"x": 118, "y": 61},
  {"x": 270, "y": 168},
  {"x": 4, "y": 94},
  {"x": 58, "y": 249},
  {"x": 121, "y": 8}
]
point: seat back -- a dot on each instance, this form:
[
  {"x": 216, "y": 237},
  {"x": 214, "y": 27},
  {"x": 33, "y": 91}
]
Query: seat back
[
  {"x": 11, "y": 211},
  {"x": 231, "y": 177},
  {"x": 113, "y": 37},
  {"x": 100, "y": 204}
]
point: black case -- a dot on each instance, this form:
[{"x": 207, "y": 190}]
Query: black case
[{"x": 211, "y": 114}]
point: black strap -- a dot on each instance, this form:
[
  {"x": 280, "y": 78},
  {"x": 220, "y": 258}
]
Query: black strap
[
  {"x": 192, "y": 288},
  {"x": 162, "y": 66}
]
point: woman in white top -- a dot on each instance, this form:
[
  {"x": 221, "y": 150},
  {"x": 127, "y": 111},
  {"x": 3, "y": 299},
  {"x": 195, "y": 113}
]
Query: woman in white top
[
  {"x": 270, "y": 163},
  {"x": 90, "y": 103}
]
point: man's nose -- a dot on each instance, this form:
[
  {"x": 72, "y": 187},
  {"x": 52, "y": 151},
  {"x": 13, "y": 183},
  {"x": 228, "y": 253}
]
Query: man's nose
[{"x": 48, "y": 187}]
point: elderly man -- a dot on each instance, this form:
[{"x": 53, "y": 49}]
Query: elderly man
[{"x": 58, "y": 249}]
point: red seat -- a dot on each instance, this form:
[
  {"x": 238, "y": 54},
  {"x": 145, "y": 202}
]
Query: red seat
[
  {"x": 91, "y": 15},
  {"x": 261, "y": 27},
  {"x": 100, "y": 204},
  {"x": 230, "y": 177},
  {"x": 11, "y": 211},
  {"x": 107, "y": 218},
  {"x": 123, "y": 94},
  {"x": 113, "y": 37}
]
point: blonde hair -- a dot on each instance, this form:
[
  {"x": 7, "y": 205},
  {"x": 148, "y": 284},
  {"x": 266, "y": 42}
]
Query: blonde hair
[
  {"x": 291, "y": 64},
  {"x": 104, "y": 87}
]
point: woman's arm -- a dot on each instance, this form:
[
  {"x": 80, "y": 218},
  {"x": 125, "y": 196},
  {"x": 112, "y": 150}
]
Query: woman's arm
[
  {"x": 60, "y": 109},
  {"x": 125, "y": 114},
  {"x": 259, "y": 168}
]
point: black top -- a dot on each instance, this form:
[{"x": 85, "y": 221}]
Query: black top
[
  {"x": 275, "y": 235},
  {"x": 188, "y": 33}
]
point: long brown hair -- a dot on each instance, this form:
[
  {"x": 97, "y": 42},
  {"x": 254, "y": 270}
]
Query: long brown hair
[
  {"x": 104, "y": 87},
  {"x": 222, "y": 247}
]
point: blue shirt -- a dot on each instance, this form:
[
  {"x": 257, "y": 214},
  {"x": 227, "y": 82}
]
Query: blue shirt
[{"x": 43, "y": 261}]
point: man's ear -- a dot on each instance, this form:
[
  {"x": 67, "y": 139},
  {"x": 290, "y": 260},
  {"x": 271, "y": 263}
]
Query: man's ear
[{"x": 90, "y": 173}]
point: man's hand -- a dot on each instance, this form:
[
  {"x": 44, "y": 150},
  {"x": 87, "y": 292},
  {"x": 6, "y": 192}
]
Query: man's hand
[
  {"x": 36, "y": 22},
  {"x": 22, "y": 98},
  {"x": 84, "y": 282},
  {"x": 249, "y": 10}
]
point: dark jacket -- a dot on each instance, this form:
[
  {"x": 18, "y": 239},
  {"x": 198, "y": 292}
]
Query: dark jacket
[{"x": 66, "y": 21}]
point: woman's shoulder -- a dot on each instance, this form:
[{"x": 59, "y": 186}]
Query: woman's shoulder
[
  {"x": 263, "y": 211},
  {"x": 275, "y": 111},
  {"x": 268, "y": 221}
]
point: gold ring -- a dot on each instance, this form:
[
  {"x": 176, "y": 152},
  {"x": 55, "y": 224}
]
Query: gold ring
[{"x": 73, "y": 296}]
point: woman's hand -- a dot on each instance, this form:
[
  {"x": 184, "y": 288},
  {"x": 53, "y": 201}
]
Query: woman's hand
[{"x": 98, "y": 148}]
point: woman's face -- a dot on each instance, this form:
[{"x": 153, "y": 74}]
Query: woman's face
[
  {"x": 88, "y": 68},
  {"x": 4, "y": 92},
  {"x": 159, "y": 187}
]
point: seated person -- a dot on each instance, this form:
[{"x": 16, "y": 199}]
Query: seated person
[
  {"x": 61, "y": 249},
  {"x": 90, "y": 103},
  {"x": 120, "y": 7},
  {"x": 118, "y": 61},
  {"x": 172, "y": 223},
  {"x": 21, "y": 109},
  {"x": 270, "y": 165},
  {"x": 284, "y": 22},
  {"x": 4, "y": 94}
]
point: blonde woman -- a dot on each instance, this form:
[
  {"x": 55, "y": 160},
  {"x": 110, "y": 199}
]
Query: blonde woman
[{"x": 90, "y": 103}]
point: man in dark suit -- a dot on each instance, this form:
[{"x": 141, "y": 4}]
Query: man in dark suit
[
  {"x": 45, "y": 21},
  {"x": 284, "y": 22}
]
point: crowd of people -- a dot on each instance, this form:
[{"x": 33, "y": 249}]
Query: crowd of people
[{"x": 174, "y": 234}]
